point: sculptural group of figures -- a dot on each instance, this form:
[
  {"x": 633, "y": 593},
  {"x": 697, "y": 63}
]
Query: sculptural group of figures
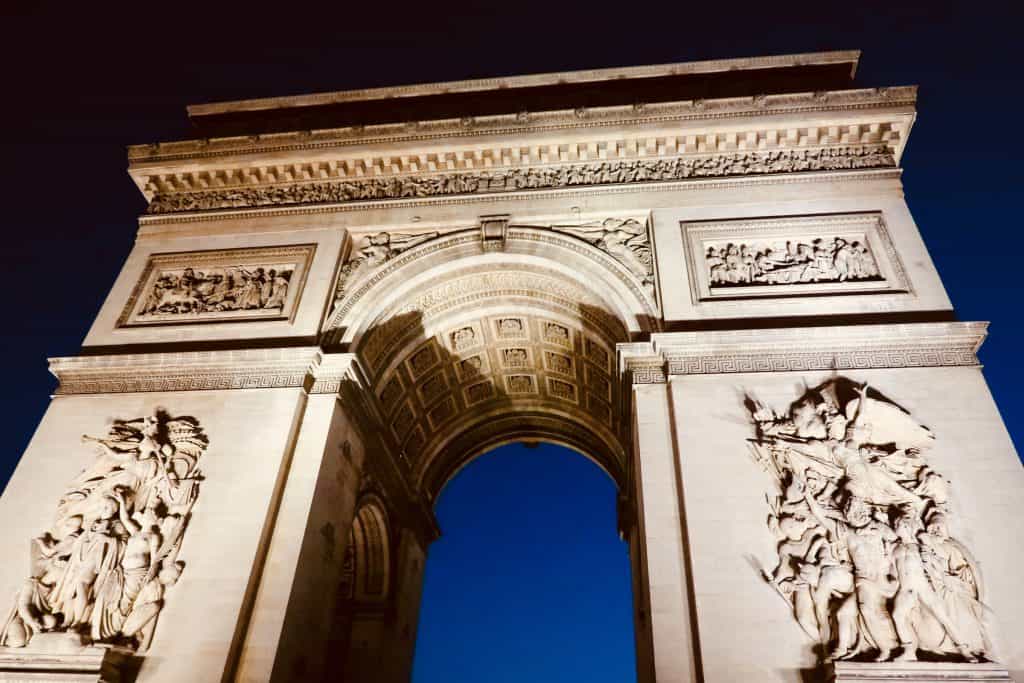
[
  {"x": 100, "y": 572},
  {"x": 634, "y": 171},
  {"x": 837, "y": 260},
  {"x": 626, "y": 240},
  {"x": 216, "y": 290},
  {"x": 866, "y": 561}
]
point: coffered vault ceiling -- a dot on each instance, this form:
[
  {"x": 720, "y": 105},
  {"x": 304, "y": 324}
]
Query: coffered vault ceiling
[{"x": 518, "y": 345}]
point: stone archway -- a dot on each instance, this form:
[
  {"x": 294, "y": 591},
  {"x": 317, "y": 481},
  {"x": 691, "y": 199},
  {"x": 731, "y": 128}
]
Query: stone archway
[{"x": 468, "y": 345}]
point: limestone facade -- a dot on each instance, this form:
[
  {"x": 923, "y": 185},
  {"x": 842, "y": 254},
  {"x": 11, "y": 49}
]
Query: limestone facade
[{"x": 722, "y": 300}]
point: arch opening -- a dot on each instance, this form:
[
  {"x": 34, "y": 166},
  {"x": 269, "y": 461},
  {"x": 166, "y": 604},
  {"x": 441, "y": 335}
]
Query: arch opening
[
  {"x": 468, "y": 347},
  {"x": 529, "y": 574}
]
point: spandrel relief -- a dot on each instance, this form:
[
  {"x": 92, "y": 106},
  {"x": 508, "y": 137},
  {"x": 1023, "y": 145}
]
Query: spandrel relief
[
  {"x": 372, "y": 251},
  {"x": 865, "y": 561},
  {"x": 227, "y": 285},
  {"x": 102, "y": 570},
  {"x": 626, "y": 240}
]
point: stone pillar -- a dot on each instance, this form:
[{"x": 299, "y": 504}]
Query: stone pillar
[
  {"x": 288, "y": 632},
  {"x": 667, "y": 646},
  {"x": 408, "y": 588}
]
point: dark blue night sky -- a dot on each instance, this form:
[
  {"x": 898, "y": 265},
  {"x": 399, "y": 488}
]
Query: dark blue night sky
[
  {"x": 81, "y": 81},
  {"x": 529, "y": 532}
]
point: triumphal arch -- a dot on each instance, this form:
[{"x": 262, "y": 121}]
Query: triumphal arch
[{"x": 702, "y": 276}]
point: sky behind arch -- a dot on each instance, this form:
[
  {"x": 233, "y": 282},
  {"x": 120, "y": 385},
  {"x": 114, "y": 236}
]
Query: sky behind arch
[{"x": 82, "y": 81}]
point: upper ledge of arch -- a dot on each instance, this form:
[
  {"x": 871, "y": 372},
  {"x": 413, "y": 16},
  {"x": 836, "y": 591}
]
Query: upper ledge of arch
[
  {"x": 181, "y": 156},
  {"x": 803, "y": 349},
  {"x": 846, "y": 59},
  {"x": 305, "y": 367}
]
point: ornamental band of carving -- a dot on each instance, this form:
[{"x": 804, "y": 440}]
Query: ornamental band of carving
[
  {"x": 604, "y": 173},
  {"x": 865, "y": 560},
  {"x": 99, "y": 574}
]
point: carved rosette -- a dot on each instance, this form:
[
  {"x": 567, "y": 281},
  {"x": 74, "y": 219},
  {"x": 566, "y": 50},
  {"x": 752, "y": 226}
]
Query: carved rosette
[
  {"x": 100, "y": 573},
  {"x": 865, "y": 558}
]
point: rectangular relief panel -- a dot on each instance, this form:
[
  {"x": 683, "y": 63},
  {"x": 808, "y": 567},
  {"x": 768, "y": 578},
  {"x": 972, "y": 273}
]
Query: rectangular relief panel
[
  {"x": 770, "y": 258},
  {"x": 226, "y": 285}
]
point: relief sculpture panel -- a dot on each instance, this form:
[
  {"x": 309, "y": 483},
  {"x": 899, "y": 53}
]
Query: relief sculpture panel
[
  {"x": 785, "y": 257},
  {"x": 225, "y": 285},
  {"x": 101, "y": 571},
  {"x": 866, "y": 562}
]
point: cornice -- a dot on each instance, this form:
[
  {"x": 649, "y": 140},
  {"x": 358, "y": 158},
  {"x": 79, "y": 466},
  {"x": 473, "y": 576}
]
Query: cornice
[
  {"x": 851, "y": 57},
  {"x": 300, "y": 367},
  {"x": 804, "y": 104},
  {"x": 802, "y": 349}
]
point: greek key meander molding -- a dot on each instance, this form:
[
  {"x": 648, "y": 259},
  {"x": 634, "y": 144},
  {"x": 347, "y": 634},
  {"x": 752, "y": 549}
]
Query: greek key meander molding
[
  {"x": 754, "y": 162},
  {"x": 307, "y": 368},
  {"x": 798, "y": 350},
  {"x": 532, "y": 122}
]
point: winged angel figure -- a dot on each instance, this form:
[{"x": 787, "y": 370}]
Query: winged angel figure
[
  {"x": 102, "y": 568},
  {"x": 373, "y": 251},
  {"x": 865, "y": 559},
  {"x": 624, "y": 239}
]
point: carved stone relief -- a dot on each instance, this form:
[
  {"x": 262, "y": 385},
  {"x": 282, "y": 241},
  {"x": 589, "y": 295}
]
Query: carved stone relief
[
  {"x": 786, "y": 257},
  {"x": 101, "y": 571},
  {"x": 234, "y": 284},
  {"x": 865, "y": 561},
  {"x": 841, "y": 157},
  {"x": 373, "y": 251},
  {"x": 626, "y": 240},
  {"x": 765, "y": 262}
]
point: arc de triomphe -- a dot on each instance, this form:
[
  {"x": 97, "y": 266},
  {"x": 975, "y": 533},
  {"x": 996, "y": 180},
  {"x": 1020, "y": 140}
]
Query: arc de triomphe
[{"x": 702, "y": 276}]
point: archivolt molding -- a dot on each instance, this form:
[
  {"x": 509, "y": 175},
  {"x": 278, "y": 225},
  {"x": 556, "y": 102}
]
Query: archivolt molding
[
  {"x": 801, "y": 349},
  {"x": 491, "y": 431},
  {"x": 631, "y": 298}
]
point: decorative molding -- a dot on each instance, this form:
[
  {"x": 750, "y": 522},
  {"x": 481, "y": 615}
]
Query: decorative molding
[
  {"x": 918, "y": 672},
  {"x": 577, "y": 192},
  {"x": 262, "y": 283},
  {"x": 831, "y": 102},
  {"x": 737, "y": 163},
  {"x": 803, "y": 349},
  {"x": 301, "y": 367}
]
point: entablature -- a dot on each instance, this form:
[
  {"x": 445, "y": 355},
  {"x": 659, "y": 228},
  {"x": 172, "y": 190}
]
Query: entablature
[{"x": 768, "y": 134}]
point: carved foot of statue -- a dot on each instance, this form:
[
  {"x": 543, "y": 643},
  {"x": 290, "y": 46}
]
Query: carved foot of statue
[
  {"x": 883, "y": 656},
  {"x": 909, "y": 653}
]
